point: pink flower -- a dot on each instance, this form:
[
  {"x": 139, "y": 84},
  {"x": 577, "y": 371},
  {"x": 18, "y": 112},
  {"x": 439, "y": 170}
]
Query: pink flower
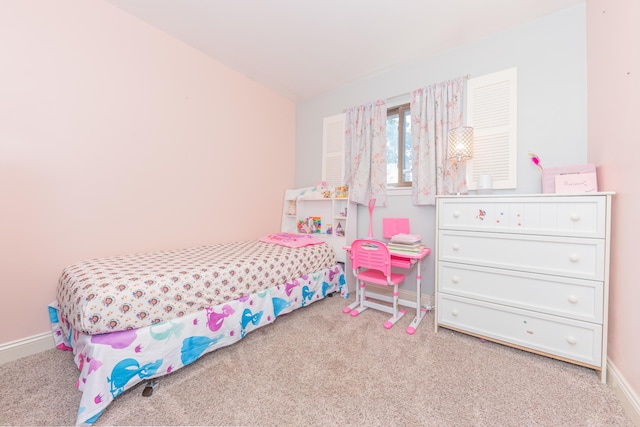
[{"x": 535, "y": 160}]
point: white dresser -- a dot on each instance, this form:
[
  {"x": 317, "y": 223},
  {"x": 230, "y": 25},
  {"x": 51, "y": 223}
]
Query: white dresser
[{"x": 529, "y": 271}]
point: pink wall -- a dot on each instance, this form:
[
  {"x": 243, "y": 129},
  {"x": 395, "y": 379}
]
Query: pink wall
[
  {"x": 117, "y": 138},
  {"x": 613, "y": 93}
]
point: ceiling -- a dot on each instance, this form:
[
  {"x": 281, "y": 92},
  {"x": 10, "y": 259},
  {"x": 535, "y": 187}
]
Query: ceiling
[{"x": 304, "y": 48}]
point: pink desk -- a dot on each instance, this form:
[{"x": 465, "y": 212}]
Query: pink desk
[{"x": 406, "y": 261}]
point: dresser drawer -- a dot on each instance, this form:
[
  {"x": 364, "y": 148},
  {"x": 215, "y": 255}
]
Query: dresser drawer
[
  {"x": 569, "y": 216},
  {"x": 565, "y": 338},
  {"x": 561, "y": 296},
  {"x": 562, "y": 256}
]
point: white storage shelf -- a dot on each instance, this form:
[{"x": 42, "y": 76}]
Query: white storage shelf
[
  {"x": 336, "y": 223},
  {"x": 527, "y": 271}
]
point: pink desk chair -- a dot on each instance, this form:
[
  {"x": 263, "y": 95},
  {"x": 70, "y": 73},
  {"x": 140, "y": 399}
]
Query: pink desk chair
[{"x": 371, "y": 263}]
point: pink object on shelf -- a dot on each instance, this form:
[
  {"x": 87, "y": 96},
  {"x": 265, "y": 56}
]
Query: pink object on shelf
[
  {"x": 549, "y": 176},
  {"x": 576, "y": 183}
]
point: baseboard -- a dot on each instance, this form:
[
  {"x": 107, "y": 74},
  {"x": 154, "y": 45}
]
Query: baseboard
[
  {"x": 625, "y": 393},
  {"x": 25, "y": 347},
  {"x": 426, "y": 300}
]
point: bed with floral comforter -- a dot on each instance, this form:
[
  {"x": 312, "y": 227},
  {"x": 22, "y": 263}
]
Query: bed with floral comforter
[{"x": 136, "y": 317}]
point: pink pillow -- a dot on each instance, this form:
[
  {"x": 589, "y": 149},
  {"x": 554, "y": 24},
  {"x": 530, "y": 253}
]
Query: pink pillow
[{"x": 291, "y": 240}]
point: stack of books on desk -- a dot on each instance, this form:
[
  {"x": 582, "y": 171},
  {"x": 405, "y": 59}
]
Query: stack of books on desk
[{"x": 408, "y": 243}]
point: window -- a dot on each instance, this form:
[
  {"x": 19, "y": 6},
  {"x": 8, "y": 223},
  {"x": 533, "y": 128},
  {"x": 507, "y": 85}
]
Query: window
[
  {"x": 490, "y": 102},
  {"x": 399, "y": 146}
]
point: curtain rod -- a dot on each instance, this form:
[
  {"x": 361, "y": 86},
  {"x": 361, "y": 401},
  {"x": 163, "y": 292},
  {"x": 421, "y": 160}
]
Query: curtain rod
[{"x": 402, "y": 95}]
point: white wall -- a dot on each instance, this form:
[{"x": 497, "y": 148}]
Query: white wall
[{"x": 550, "y": 55}]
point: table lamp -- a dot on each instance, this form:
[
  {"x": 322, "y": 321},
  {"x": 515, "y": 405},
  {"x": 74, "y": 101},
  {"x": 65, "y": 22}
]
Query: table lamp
[{"x": 460, "y": 147}]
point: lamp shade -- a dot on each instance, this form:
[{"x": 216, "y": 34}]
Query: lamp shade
[{"x": 460, "y": 143}]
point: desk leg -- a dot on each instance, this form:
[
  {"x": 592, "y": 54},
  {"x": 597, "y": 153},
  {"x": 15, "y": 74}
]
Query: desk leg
[{"x": 420, "y": 311}]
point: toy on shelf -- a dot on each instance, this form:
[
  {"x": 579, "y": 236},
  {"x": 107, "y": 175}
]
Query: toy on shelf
[
  {"x": 320, "y": 191},
  {"x": 291, "y": 209},
  {"x": 342, "y": 192},
  {"x": 316, "y": 224},
  {"x": 339, "y": 230},
  {"x": 312, "y": 224},
  {"x": 303, "y": 227}
]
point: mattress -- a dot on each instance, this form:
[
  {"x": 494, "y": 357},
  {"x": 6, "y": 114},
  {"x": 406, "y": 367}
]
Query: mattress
[{"x": 128, "y": 292}]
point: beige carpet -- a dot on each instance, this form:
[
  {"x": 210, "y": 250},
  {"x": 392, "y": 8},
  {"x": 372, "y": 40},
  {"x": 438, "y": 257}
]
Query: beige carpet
[{"x": 319, "y": 367}]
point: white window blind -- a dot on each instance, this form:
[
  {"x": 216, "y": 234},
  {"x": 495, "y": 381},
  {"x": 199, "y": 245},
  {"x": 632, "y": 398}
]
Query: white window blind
[
  {"x": 491, "y": 111},
  {"x": 333, "y": 150}
]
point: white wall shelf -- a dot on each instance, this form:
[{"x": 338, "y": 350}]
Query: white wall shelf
[{"x": 336, "y": 217}]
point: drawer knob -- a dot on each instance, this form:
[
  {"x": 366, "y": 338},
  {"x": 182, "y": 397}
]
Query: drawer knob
[
  {"x": 573, "y": 299},
  {"x": 455, "y": 279},
  {"x": 454, "y": 312},
  {"x": 571, "y": 340},
  {"x": 575, "y": 217},
  {"x": 574, "y": 258},
  {"x": 455, "y": 246},
  {"x": 456, "y": 214}
]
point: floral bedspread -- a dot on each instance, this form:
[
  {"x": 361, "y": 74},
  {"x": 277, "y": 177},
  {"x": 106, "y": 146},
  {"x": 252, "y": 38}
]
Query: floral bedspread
[
  {"x": 111, "y": 363},
  {"x": 134, "y": 291}
]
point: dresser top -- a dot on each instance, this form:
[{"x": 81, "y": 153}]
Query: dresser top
[{"x": 473, "y": 196}]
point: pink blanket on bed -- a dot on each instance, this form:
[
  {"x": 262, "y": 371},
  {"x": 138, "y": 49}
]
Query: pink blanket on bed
[{"x": 291, "y": 240}]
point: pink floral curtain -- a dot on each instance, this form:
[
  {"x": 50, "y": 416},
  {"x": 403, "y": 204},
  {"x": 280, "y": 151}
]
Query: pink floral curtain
[
  {"x": 365, "y": 152},
  {"x": 434, "y": 110}
]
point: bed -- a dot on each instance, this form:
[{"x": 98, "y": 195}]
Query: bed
[{"x": 133, "y": 318}]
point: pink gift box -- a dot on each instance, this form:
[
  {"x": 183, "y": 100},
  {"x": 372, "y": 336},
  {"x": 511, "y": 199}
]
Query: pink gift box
[{"x": 549, "y": 178}]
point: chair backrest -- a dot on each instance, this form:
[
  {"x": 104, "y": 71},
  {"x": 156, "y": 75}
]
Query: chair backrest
[{"x": 372, "y": 254}]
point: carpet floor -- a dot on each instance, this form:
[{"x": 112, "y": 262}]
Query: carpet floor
[{"x": 319, "y": 367}]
